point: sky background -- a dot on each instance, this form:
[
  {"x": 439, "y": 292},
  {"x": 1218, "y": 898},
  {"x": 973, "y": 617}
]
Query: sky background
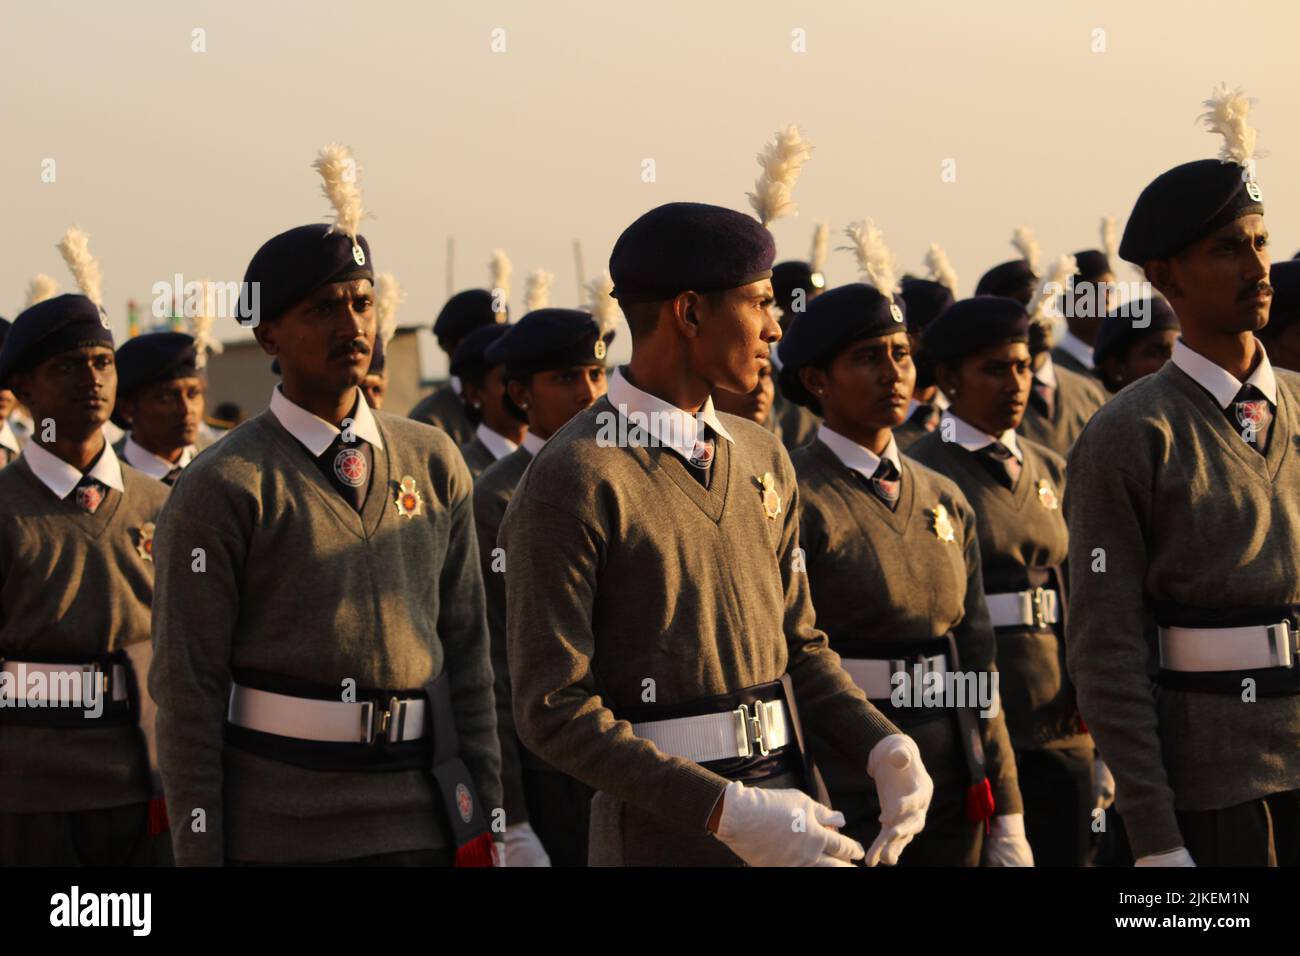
[{"x": 177, "y": 161}]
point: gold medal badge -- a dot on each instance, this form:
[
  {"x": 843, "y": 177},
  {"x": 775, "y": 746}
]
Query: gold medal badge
[
  {"x": 409, "y": 501},
  {"x": 144, "y": 541},
  {"x": 1047, "y": 495},
  {"x": 942, "y": 526},
  {"x": 771, "y": 500}
]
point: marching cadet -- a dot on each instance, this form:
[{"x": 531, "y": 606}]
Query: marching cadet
[
  {"x": 659, "y": 635},
  {"x": 10, "y": 447},
  {"x": 1091, "y": 298},
  {"x": 874, "y": 525},
  {"x": 160, "y": 399},
  {"x": 1282, "y": 334},
  {"x": 1183, "y": 521},
  {"x": 309, "y": 713},
  {"x": 1060, "y": 401},
  {"x": 554, "y": 366},
  {"x": 76, "y": 582},
  {"x": 462, "y": 314},
  {"x": 388, "y": 296},
  {"x": 980, "y": 351},
  {"x": 1125, "y": 352},
  {"x": 499, "y": 431}
]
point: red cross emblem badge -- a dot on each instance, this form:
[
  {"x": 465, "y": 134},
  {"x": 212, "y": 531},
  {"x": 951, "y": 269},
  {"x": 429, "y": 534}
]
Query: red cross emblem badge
[
  {"x": 464, "y": 802},
  {"x": 350, "y": 467}
]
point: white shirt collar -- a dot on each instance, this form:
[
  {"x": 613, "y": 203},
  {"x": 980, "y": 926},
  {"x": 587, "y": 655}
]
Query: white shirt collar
[
  {"x": 1047, "y": 373},
  {"x": 1218, "y": 381},
  {"x": 532, "y": 443},
  {"x": 60, "y": 477},
  {"x": 939, "y": 401},
  {"x": 495, "y": 442},
  {"x": 774, "y": 350},
  {"x": 7, "y": 437},
  {"x": 1077, "y": 347},
  {"x": 315, "y": 433},
  {"x": 973, "y": 439},
  {"x": 855, "y": 456},
  {"x": 669, "y": 425},
  {"x": 142, "y": 459}
]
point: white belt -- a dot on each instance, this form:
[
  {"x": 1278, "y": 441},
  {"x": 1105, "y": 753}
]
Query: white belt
[
  {"x": 757, "y": 728},
  {"x": 876, "y": 676},
  {"x": 58, "y": 691},
  {"x": 328, "y": 721},
  {"x": 1227, "y": 648},
  {"x": 1036, "y": 606}
]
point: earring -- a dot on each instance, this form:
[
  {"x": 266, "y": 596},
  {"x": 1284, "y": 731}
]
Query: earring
[{"x": 524, "y": 406}]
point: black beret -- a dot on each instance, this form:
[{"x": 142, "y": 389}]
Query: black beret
[
  {"x": 49, "y": 328},
  {"x": 1014, "y": 280},
  {"x": 470, "y": 357},
  {"x": 792, "y": 275},
  {"x": 155, "y": 357},
  {"x": 294, "y": 264},
  {"x": 547, "y": 339},
  {"x": 1092, "y": 265},
  {"x": 4, "y": 330},
  {"x": 1285, "y": 310},
  {"x": 925, "y": 300},
  {"x": 1186, "y": 204},
  {"x": 973, "y": 324},
  {"x": 1116, "y": 334},
  {"x": 464, "y": 312},
  {"x": 687, "y": 246}
]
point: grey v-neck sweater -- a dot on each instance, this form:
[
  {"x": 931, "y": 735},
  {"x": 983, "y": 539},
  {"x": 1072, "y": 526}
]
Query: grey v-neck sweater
[
  {"x": 882, "y": 575},
  {"x": 629, "y": 582},
  {"x": 1181, "y": 510},
  {"x": 1077, "y": 399},
  {"x": 73, "y": 584},
  {"x": 444, "y": 409},
  {"x": 299, "y": 585}
]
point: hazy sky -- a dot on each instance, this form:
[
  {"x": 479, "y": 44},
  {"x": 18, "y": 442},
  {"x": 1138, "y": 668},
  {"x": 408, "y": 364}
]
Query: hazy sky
[{"x": 175, "y": 161}]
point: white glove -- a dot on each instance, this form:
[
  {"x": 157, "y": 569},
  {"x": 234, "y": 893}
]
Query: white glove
[
  {"x": 904, "y": 789},
  {"x": 783, "y": 828},
  {"x": 1006, "y": 844},
  {"x": 523, "y": 848},
  {"x": 1103, "y": 788},
  {"x": 499, "y": 853},
  {"x": 1178, "y": 857}
]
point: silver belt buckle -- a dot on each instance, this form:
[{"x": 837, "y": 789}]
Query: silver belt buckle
[
  {"x": 1282, "y": 644},
  {"x": 389, "y": 723},
  {"x": 751, "y": 729}
]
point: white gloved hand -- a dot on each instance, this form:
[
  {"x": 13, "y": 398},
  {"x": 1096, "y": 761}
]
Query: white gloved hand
[
  {"x": 523, "y": 848},
  {"x": 904, "y": 789},
  {"x": 783, "y": 828},
  {"x": 1103, "y": 788},
  {"x": 1006, "y": 844},
  {"x": 1178, "y": 857}
]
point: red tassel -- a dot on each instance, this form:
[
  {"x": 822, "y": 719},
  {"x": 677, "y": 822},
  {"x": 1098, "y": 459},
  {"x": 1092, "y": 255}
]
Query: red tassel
[
  {"x": 477, "y": 852},
  {"x": 1083, "y": 728},
  {"x": 157, "y": 816},
  {"x": 979, "y": 803}
]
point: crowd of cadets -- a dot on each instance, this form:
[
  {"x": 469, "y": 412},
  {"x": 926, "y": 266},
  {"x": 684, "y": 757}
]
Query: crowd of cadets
[{"x": 344, "y": 636}]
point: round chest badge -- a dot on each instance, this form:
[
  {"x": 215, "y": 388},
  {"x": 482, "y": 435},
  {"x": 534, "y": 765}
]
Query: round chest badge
[
  {"x": 701, "y": 454},
  {"x": 464, "y": 802},
  {"x": 350, "y": 467}
]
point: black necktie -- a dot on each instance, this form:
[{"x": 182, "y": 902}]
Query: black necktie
[
  {"x": 89, "y": 494},
  {"x": 1002, "y": 465},
  {"x": 701, "y": 456},
  {"x": 171, "y": 476},
  {"x": 1043, "y": 397},
  {"x": 885, "y": 483},
  {"x": 347, "y": 466},
  {"x": 1252, "y": 415}
]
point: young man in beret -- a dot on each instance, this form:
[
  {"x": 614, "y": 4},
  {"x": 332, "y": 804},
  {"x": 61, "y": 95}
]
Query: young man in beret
[
  {"x": 445, "y": 407},
  {"x": 160, "y": 402},
  {"x": 1125, "y": 352},
  {"x": 10, "y": 446},
  {"x": 1091, "y": 300},
  {"x": 1183, "y": 521},
  {"x": 1282, "y": 334},
  {"x": 76, "y": 581},
  {"x": 660, "y": 634},
  {"x": 321, "y": 655}
]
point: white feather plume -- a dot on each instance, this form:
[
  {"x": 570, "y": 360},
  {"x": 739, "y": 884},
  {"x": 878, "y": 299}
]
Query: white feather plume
[
  {"x": 389, "y": 296},
  {"x": 75, "y": 249},
  {"x": 537, "y": 290},
  {"x": 781, "y": 160},
  {"x": 41, "y": 287},
  {"x": 501, "y": 270},
  {"x": 1027, "y": 245},
  {"x": 1110, "y": 239},
  {"x": 604, "y": 308},
  {"x": 205, "y": 314},
  {"x": 941, "y": 270},
  {"x": 339, "y": 172},
  {"x": 1225, "y": 113},
  {"x": 820, "y": 246},
  {"x": 877, "y": 263},
  {"x": 1051, "y": 288}
]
